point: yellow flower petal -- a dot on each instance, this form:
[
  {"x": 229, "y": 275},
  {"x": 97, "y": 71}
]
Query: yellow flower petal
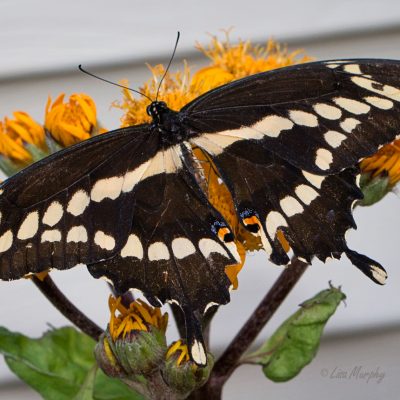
[
  {"x": 385, "y": 162},
  {"x": 72, "y": 121}
]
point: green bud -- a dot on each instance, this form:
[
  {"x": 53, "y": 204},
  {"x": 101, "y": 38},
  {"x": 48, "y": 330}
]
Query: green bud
[
  {"x": 187, "y": 376},
  {"x": 374, "y": 189},
  {"x": 106, "y": 359},
  {"x": 138, "y": 353}
]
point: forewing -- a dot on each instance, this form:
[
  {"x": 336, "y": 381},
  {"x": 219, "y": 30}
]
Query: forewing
[
  {"x": 73, "y": 207},
  {"x": 320, "y": 117}
]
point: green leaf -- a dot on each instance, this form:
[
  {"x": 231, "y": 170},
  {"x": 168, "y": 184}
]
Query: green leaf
[
  {"x": 60, "y": 365},
  {"x": 374, "y": 189},
  {"x": 296, "y": 341},
  {"x": 86, "y": 390},
  {"x": 56, "y": 365}
]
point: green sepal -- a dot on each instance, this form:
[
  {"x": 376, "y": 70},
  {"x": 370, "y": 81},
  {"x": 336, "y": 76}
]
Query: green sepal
[
  {"x": 8, "y": 167},
  {"x": 296, "y": 341},
  {"x": 374, "y": 189},
  {"x": 36, "y": 152},
  {"x": 138, "y": 353}
]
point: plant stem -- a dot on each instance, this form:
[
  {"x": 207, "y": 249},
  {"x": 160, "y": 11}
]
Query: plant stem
[
  {"x": 229, "y": 360},
  {"x": 60, "y": 301}
]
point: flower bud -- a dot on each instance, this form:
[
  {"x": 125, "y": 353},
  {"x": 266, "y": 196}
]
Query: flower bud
[
  {"x": 134, "y": 342},
  {"x": 374, "y": 189},
  {"x": 181, "y": 374},
  {"x": 138, "y": 353}
]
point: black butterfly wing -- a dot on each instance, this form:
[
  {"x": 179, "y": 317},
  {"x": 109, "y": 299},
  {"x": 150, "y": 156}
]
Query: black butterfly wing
[
  {"x": 174, "y": 252},
  {"x": 68, "y": 208},
  {"x": 320, "y": 117},
  {"x": 132, "y": 211},
  {"x": 283, "y": 142}
]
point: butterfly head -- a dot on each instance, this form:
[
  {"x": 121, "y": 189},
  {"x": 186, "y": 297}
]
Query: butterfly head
[{"x": 156, "y": 110}]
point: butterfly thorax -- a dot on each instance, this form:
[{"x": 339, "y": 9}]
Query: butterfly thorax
[{"x": 166, "y": 123}]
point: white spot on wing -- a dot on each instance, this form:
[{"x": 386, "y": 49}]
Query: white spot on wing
[
  {"x": 233, "y": 250},
  {"x": 323, "y": 159},
  {"x": 273, "y": 221},
  {"x": 315, "y": 180},
  {"x": 104, "y": 241},
  {"x": 182, "y": 247},
  {"x": 77, "y": 234},
  {"x": 209, "y": 305},
  {"x": 379, "y": 102},
  {"x": 352, "y": 106},
  {"x": 107, "y": 188},
  {"x": 198, "y": 353},
  {"x": 173, "y": 301},
  {"x": 78, "y": 203},
  {"x": 132, "y": 178},
  {"x": 29, "y": 226},
  {"x": 158, "y": 251},
  {"x": 132, "y": 248},
  {"x": 108, "y": 280},
  {"x": 327, "y": 111},
  {"x": 273, "y": 125},
  {"x": 215, "y": 143},
  {"x": 6, "y": 240},
  {"x": 303, "y": 118},
  {"x": 353, "y": 69},
  {"x": 334, "y": 138},
  {"x": 290, "y": 206},
  {"x": 391, "y": 92},
  {"x": 208, "y": 246},
  {"x": 264, "y": 241},
  {"x": 53, "y": 214},
  {"x": 52, "y": 235},
  {"x": 165, "y": 161},
  {"x": 379, "y": 274},
  {"x": 349, "y": 124},
  {"x": 306, "y": 193}
]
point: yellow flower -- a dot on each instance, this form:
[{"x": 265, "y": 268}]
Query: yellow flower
[
  {"x": 138, "y": 317},
  {"x": 18, "y": 132},
  {"x": 72, "y": 121},
  {"x": 386, "y": 162},
  {"x": 230, "y": 62},
  {"x": 178, "y": 347}
]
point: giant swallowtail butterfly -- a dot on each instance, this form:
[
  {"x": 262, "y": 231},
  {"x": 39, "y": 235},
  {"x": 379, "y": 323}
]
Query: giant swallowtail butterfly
[{"x": 130, "y": 204}]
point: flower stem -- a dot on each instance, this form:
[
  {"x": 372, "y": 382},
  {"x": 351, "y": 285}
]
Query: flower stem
[
  {"x": 60, "y": 301},
  {"x": 230, "y": 359}
]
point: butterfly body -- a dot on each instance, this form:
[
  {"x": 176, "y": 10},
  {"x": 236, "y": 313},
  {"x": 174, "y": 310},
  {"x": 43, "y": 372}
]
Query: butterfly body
[{"x": 133, "y": 204}]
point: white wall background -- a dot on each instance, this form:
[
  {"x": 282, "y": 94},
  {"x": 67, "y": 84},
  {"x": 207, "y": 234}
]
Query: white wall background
[{"x": 42, "y": 42}]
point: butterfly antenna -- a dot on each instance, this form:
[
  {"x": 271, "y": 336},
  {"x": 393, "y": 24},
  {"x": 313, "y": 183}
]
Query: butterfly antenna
[
  {"x": 113, "y": 83},
  {"x": 169, "y": 64}
]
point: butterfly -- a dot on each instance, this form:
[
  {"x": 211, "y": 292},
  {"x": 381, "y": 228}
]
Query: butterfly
[{"x": 131, "y": 204}]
